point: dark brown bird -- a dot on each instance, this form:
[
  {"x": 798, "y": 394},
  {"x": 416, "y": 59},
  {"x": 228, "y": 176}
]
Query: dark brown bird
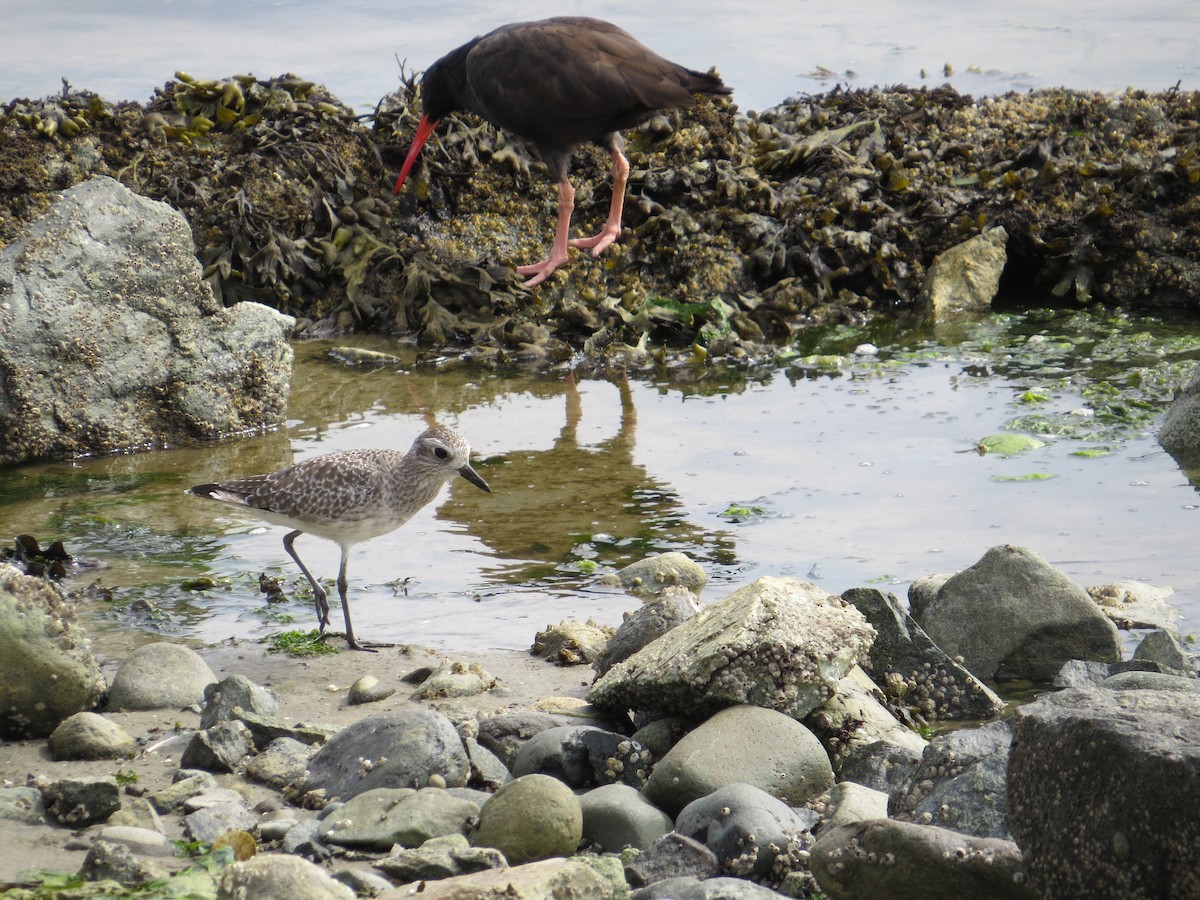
[{"x": 554, "y": 84}]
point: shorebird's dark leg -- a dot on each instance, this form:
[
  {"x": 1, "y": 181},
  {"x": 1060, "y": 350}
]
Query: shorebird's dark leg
[
  {"x": 342, "y": 586},
  {"x": 612, "y": 228},
  {"x": 319, "y": 595}
]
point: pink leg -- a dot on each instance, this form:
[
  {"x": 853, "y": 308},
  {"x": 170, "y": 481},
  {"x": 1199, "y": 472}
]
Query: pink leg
[
  {"x": 612, "y": 228},
  {"x": 558, "y": 253}
]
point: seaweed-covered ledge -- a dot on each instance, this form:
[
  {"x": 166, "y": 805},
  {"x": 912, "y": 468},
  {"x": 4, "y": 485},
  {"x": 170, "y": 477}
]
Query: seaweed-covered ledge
[{"x": 741, "y": 230}]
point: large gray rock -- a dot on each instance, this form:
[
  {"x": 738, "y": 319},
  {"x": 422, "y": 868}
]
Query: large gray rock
[
  {"x": 530, "y": 818},
  {"x": 1179, "y": 431},
  {"x": 960, "y": 783},
  {"x": 279, "y": 876},
  {"x": 384, "y": 817},
  {"x": 914, "y": 673},
  {"x": 616, "y": 816},
  {"x": 1116, "y": 771},
  {"x": 160, "y": 676},
  {"x": 398, "y": 749},
  {"x": 778, "y": 643},
  {"x": 1013, "y": 616},
  {"x": 549, "y": 879},
  {"x": 47, "y": 672},
  {"x": 753, "y": 834},
  {"x": 747, "y": 744},
  {"x": 674, "y": 606},
  {"x": 112, "y": 340},
  {"x": 880, "y": 858}
]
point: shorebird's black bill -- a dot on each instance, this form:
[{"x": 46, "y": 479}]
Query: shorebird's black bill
[{"x": 475, "y": 478}]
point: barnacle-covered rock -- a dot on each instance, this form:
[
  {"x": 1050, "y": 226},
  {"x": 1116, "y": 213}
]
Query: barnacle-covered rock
[{"x": 778, "y": 643}]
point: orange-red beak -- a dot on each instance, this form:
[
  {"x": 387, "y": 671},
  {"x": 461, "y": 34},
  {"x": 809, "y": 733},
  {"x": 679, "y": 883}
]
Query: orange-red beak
[{"x": 424, "y": 130}]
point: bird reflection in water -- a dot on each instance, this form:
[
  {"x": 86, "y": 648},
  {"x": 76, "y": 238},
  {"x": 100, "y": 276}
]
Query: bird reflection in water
[{"x": 551, "y": 508}]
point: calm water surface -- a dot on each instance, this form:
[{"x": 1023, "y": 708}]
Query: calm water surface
[
  {"x": 859, "y": 474},
  {"x": 768, "y": 50}
]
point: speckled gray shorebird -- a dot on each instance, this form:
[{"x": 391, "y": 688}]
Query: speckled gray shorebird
[{"x": 348, "y": 497}]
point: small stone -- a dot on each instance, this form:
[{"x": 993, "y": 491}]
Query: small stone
[
  {"x": 77, "y": 802},
  {"x": 174, "y": 797},
  {"x": 281, "y": 763},
  {"x": 671, "y": 856},
  {"x": 219, "y": 748},
  {"x": 456, "y": 679},
  {"x": 22, "y": 804},
  {"x": 107, "y": 861},
  {"x": 652, "y": 575},
  {"x": 88, "y": 735},
  {"x": 368, "y": 689},
  {"x": 142, "y": 841},
  {"x": 223, "y": 700},
  {"x": 571, "y": 643}
]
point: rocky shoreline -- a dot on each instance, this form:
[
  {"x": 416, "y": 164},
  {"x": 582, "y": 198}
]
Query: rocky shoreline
[
  {"x": 741, "y": 230},
  {"x": 780, "y": 741}
]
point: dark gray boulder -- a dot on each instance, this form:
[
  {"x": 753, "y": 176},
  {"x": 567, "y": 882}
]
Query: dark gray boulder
[
  {"x": 397, "y": 749},
  {"x": 1117, "y": 772}
]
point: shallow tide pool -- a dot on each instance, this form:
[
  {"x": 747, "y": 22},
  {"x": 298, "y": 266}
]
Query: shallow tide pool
[{"x": 843, "y": 469}]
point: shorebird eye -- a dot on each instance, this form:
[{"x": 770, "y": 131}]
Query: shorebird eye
[{"x": 441, "y": 452}]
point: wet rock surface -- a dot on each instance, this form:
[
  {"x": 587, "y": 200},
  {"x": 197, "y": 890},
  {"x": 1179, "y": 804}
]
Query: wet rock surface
[
  {"x": 47, "y": 670},
  {"x": 1012, "y": 615},
  {"x": 115, "y": 342},
  {"x": 1116, "y": 770}
]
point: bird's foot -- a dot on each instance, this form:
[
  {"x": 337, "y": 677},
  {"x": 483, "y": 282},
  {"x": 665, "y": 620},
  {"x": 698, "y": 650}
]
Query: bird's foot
[
  {"x": 599, "y": 243},
  {"x": 368, "y": 646},
  {"x": 322, "y": 603},
  {"x": 539, "y": 272},
  {"x": 371, "y": 646}
]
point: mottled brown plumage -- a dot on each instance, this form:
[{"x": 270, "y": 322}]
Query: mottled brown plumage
[
  {"x": 349, "y": 496},
  {"x": 557, "y": 83}
]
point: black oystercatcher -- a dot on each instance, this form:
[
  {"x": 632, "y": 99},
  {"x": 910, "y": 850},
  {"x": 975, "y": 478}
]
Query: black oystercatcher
[{"x": 556, "y": 83}]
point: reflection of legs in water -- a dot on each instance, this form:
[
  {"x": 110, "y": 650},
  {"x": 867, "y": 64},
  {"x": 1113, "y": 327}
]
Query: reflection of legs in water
[
  {"x": 628, "y": 412},
  {"x": 575, "y": 409}
]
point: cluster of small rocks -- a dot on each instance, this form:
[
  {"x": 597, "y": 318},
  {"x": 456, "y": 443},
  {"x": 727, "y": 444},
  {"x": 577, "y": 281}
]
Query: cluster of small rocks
[{"x": 758, "y": 746}]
